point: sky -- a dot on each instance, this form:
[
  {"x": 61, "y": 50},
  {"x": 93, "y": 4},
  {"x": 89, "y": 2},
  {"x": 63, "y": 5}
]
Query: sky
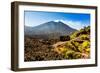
[{"x": 74, "y": 20}]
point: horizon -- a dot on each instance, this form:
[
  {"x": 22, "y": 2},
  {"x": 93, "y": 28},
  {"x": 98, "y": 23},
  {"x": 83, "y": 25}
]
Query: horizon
[{"x": 74, "y": 20}]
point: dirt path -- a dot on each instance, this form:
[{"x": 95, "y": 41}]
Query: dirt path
[
  {"x": 58, "y": 43},
  {"x": 61, "y": 43}
]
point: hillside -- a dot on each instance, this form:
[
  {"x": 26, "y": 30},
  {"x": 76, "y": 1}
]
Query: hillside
[{"x": 77, "y": 47}]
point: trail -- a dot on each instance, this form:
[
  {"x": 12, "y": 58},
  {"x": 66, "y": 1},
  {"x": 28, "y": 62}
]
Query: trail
[
  {"x": 58, "y": 44},
  {"x": 62, "y": 43}
]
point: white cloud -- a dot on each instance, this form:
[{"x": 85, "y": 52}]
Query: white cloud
[
  {"x": 57, "y": 20},
  {"x": 74, "y": 24}
]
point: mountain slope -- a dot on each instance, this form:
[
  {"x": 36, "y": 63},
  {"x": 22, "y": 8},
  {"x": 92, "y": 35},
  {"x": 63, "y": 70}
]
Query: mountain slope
[{"x": 49, "y": 29}]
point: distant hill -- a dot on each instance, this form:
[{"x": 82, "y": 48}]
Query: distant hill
[{"x": 50, "y": 29}]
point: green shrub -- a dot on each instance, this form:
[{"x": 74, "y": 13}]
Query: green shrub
[
  {"x": 86, "y": 44},
  {"x": 84, "y": 37}
]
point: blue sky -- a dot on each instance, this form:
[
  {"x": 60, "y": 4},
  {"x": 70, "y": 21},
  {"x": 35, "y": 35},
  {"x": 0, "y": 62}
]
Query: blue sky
[{"x": 74, "y": 20}]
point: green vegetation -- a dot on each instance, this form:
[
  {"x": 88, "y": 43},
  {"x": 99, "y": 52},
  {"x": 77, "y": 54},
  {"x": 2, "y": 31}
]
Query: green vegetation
[{"x": 79, "y": 45}]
